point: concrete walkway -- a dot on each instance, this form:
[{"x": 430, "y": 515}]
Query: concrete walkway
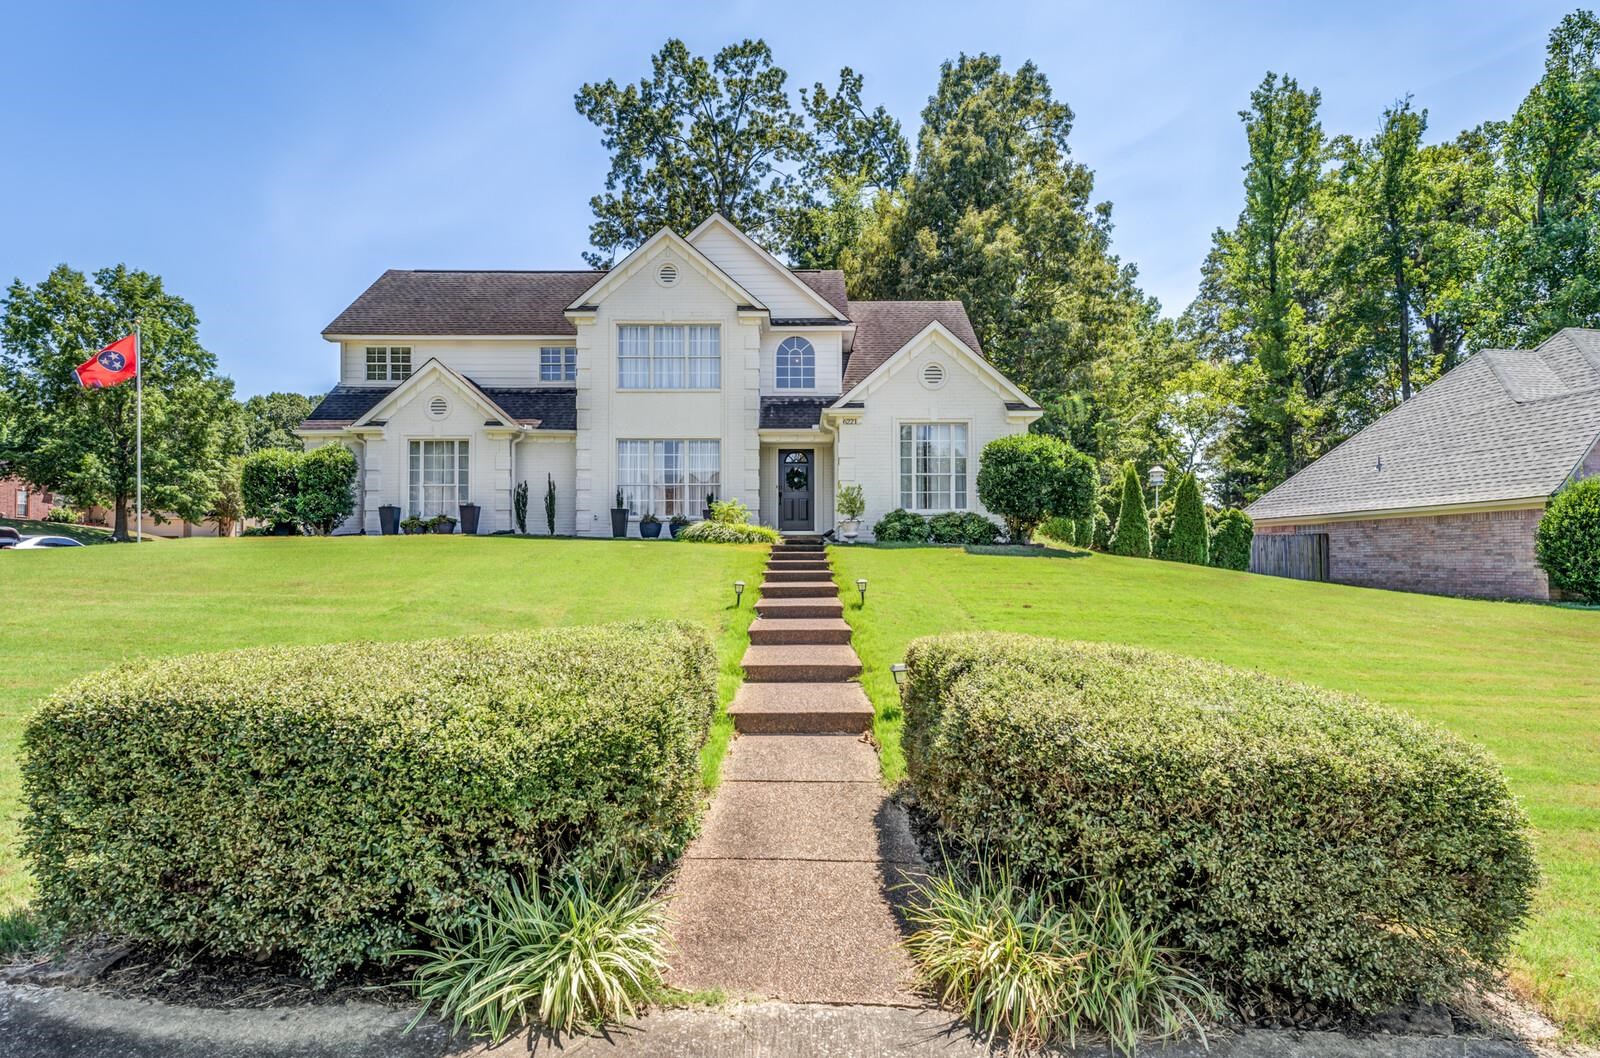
[{"x": 789, "y": 892}]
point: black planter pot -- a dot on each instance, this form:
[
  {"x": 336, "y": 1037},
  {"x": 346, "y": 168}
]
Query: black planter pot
[
  {"x": 619, "y": 521},
  {"x": 445, "y": 528},
  {"x": 389, "y": 519},
  {"x": 649, "y": 530},
  {"x": 469, "y": 519},
  {"x": 706, "y": 514},
  {"x": 675, "y": 528}
]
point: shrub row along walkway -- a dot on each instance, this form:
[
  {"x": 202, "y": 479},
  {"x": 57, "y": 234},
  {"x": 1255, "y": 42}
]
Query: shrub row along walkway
[{"x": 788, "y": 892}]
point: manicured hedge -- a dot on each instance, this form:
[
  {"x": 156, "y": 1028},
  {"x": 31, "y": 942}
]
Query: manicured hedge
[
  {"x": 1301, "y": 845},
  {"x": 962, "y": 527},
  {"x": 1567, "y": 542},
  {"x": 313, "y": 802},
  {"x": 901, "y": 527}
]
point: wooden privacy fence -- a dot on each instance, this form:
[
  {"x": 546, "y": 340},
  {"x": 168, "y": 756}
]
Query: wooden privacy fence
[{"x": 1303, "y": 556}]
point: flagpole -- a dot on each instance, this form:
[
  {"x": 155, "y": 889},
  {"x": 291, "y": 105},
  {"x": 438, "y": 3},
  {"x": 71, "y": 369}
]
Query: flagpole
[{"x": 138, "y": 435}]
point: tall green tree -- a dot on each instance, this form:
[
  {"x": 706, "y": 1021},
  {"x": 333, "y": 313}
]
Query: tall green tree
[
  {"x": 1132, "y": 535},
  {"x": 81, "y": 442},
  {"x": 271, "y": 419}
]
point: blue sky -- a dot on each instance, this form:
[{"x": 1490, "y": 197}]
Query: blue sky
[{"x": 271, "y": 160}]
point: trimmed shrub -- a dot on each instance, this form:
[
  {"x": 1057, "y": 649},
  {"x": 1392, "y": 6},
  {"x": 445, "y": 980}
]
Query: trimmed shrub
[
  {"x": 1083, "y": 531},
  {"x": 1132, "y": 537},
  {"x": 1190, "y": 540},
  {"x": 962, "y": 527},
  {"x": 1061, "y": 530},
  {"x": 1567, "y": 542},
  {"x": 1231, "y": 533},
  {"x": 901, "y": 527},
  {"x": 61, "y": 516},
  {"x": 1026, "y": 478},
  {"x": 269, "y": 486},
  {"x": 314, "y": 803},
  {"x": 715, "y": 532},
  {"x": 1303, "y": 845},
  {"x": 326, "y": 494}
]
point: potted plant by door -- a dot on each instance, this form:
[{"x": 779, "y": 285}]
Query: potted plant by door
[
  {"x": 442, "y": 524},
  {"x": 388, "y": 519},
  {"x": 619, "y": 517},
  {"x": 649, "y": 527},
  {"x": 677, "y": 525},
  {"x": 469, "y": 519},
  {"x": 851, "y": 505},
  {"x": 414, "y": 526}
]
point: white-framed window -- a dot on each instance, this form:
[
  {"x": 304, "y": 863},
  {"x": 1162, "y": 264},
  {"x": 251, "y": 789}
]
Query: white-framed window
[
  {"x": 668, "y": 477},
  {"x": 558, "y": 363},
  {"x": 669, "y": 357},
  {"x": 22, "y": 503},
  {"x": 438, "y": 478},
  {"x": 797, "y": 364},
  {"x": 388, "y": 363},
  {"x": 933, "y": 466}
]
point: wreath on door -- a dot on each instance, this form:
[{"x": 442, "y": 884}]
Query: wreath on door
[{"x": 797, "y": 479}]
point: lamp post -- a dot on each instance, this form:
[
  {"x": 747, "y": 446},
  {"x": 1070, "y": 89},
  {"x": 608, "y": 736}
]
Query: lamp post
[
  {"x": 861, "y": 586},
  {"x": 1158, "y": 478},
  {"x": 738, "y": 593}
]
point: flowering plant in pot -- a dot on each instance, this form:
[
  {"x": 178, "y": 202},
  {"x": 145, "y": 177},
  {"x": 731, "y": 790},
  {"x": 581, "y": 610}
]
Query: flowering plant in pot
[{"x": 851, "y": 505}]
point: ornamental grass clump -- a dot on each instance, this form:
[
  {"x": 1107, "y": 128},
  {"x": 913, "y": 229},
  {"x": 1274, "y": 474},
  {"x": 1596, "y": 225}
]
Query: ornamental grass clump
[
  {"x": 567, "y": 956},
  {"x": 315, "y": 804},
  {"x": 715, "y": 532},
  {"x": 1306, "y": 849},
  {"x": 1035, "y": 967}
]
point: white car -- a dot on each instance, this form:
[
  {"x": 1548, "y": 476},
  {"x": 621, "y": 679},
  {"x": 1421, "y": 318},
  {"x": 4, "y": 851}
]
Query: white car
[{"x": 47, "y": 541}]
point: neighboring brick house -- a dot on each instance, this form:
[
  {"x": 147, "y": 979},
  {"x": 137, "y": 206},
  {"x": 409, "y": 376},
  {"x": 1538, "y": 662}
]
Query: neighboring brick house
[
  {"x": 18, "y": 499},
  {"x": 1443, "y": 494}
]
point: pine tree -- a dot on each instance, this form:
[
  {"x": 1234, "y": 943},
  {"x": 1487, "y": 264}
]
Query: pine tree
[
  {"x": 1133, "y": 523},
  {"x": 1190, "y": 540}
]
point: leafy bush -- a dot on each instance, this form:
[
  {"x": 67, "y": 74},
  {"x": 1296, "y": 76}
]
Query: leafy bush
[
  {"x": 1190, "y": 540},
  {"x": 1061, "y": 530},
  {"x": 1026, "y": 478},
  {"x": 326, "y": 493},
  {"x": 62, "y": 516},
  {"x": 1083, "y": 531},
  {"x": 730, "y": 512},
  {"x": 1304, "y": 845},
  {"x": 1133, "y": 521},
  {"x": 901, "y": 527},
  {"x": 715, "y": 532},
  {"x": 1037, "y": 968},
  {"x": 316, "y": 802},
  {"x": 269, "y": 485},
  {"x": 568, "y": 956},
  {"x": 1231, "y": 533},
  {"x": 1103, "y": 528},
  {"x": 962, "y": 527},
  {"x": 1567, "y": 543}
]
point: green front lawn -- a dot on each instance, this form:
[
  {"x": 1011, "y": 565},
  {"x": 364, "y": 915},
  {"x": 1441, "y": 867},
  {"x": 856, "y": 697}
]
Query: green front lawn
[
  {"x": 1520, "y": 679},
  {"x": 78, "y": 610}
]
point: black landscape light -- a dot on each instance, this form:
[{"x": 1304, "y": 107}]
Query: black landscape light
[{"x": 738, "y": 592}]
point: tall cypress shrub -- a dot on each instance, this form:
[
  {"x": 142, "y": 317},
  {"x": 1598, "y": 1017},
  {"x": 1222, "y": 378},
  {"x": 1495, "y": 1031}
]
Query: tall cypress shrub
[
  {"x": 1190, "y": 541},
  {"x": 1133, "y": 521}
]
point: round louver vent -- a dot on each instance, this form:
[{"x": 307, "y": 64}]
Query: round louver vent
[
  {"x": 933, "y": 375},
  {"x": 667, "y": 274},
  {"x": 438, "y": 407}
]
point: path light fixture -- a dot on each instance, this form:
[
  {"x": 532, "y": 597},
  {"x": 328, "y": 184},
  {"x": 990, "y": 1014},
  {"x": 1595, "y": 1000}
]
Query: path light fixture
[
  {"x": 898, "y": 671},
  {"x": 738, "y": 593},
  {"x": 1158, "y": 478},
  {"x": 861, "y": 586}
]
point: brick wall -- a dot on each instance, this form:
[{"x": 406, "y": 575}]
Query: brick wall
[
  {"x": 38, "y": 501},
  {"x": 1487, "y": 554}
]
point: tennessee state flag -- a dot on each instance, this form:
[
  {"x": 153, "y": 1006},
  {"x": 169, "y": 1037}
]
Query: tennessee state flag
[{"x": 111, "y": 366}]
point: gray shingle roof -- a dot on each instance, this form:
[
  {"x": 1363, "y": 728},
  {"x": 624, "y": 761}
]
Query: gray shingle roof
[
  {"x": 827, "y": 282},
  {"x": 793, "y": 413},
  {"x": 883, "y": 327},
  {"x": 1507, "y": 424},
  {"x": 552, "y": 409},
  {"x": 430, "y": 302}
]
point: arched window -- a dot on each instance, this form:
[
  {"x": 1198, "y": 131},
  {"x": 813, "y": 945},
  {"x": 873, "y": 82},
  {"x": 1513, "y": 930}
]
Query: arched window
[{"x": 797, "y": 364}]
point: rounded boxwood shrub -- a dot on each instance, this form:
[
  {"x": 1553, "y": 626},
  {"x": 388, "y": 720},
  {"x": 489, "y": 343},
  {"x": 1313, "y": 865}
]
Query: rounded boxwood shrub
[
  {"x": 325, "y": 480},
  {"x": 315, "y": 803},
  {"x": 1231, "y": 533},
  {"x": 1567, "y": 543},
  {"x": 1026, "y": 478},
  {"x": 1303, "y": 846},
  {"x": 901, "y": 527},
  {"x": 962, "y": 527},
  {"x": 268, "y": 484}
]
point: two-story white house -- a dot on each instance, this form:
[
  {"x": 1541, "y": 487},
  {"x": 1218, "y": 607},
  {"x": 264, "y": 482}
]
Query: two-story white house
[{"x": 699, "y": 366}]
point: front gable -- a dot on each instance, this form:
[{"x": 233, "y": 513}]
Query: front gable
[
  {"x": 669, "y": 265},
  {"x": 753, "y": 268},
  {"x": 943, "y": 366},
  {"x": 429, "y": 379}
]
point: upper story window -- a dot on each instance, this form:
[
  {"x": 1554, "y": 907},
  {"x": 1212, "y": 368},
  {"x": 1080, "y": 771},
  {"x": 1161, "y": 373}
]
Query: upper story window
[
  {"x": 797, "y": 364},
  {"x": 669, "y": 357},
  {"x": 388, "y": 363},
  {"x": 558, "y": 364}
]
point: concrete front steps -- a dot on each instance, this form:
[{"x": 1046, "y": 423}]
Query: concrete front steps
[{"x": 773, "y": 631}]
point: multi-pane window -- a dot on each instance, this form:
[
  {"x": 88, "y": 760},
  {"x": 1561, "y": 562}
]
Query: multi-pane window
[
  {"x": 933, "y": 466},
  {"x": 388, "y": 363},
  {"x": 666, "y": 478},
  {"x": 558, "y": 364},
  {"x": 669, "y": 357},
  {"x": 438, "y": 478},
  {"x": 797, "y": 364}
]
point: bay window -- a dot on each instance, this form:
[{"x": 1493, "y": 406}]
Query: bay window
[
  {"x": 438, "y": 478},
  {"x": 933, "y": 466},
  {"x": 668, "y": 477},
  {"x": 669, "y": 356}
]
